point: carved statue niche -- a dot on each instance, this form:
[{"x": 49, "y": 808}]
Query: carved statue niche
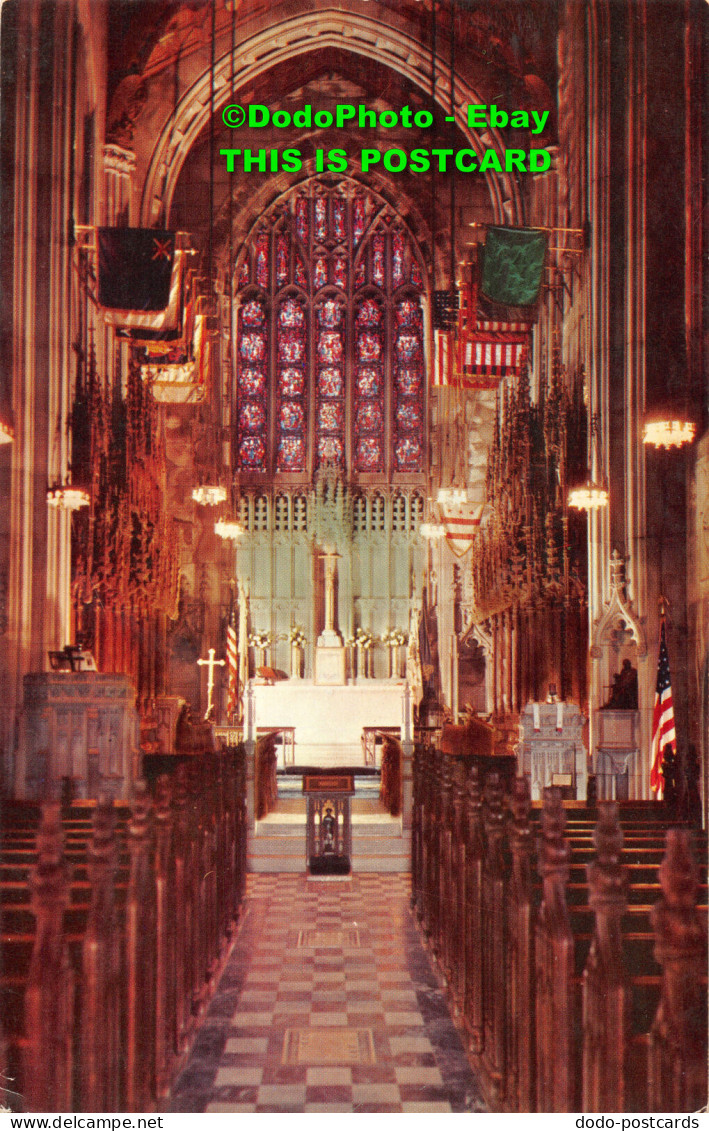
[
  {"x": 474, "y": 652},
  {"x": 472, "y": 664},
  {"x": 619, "y": 637}
]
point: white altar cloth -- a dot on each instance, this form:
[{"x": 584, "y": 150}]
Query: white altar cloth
[{"x": 328, "y": 721}]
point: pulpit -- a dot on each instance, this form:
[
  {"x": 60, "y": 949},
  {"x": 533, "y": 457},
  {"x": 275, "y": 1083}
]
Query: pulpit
[
  {"x": 617, "y": 754},
  {"x": 80, "y": 727},
  {"x": 328, "y": 823},
  {"x": 551, "y": 749}
]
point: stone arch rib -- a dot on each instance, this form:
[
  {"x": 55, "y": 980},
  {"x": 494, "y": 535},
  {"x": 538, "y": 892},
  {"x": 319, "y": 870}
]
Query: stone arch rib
[{"x": 288, "y": 39}]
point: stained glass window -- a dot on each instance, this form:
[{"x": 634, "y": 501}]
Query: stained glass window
[
  {"x": 282, "y": 258},
  {"x": 338, "y": 218},
  {"x": 252, "y": 386},
  {"x": 291, "y": 384},
  {"x": 369, "y": 455},
  {"x": 330, "y": 346},
  {"x": 408, "y": 385},
  {"x": 262, "y": 259},
  {"x": 330, "y": 419},
  {"x": 320, "y": 218}
]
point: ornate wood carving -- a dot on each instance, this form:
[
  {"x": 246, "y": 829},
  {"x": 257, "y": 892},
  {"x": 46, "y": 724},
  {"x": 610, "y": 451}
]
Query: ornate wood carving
[
  {"x": 606, "y": 1029},
  {"x": 140, "y": 949},
  {"x": 49, "y": 997},
  {"x": 143, "y": 972},
  {"x": 125, "y": 568},
  {"x": 542, "y": 1037},
  {"x": 100, "y": 971},
  {"x": 554, "y": 959},
  {"x": 678, "y": 1041},
  {"x": 618, "y": 612},
  {"x": 520, "y": 957},
  {"x": 529, "y": 557},
  {"x": 475, "y": 849},
  {"x": 494, "y": 938}
]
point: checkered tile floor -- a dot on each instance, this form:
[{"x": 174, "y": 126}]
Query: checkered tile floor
[{"x": 327, "y": 1004}]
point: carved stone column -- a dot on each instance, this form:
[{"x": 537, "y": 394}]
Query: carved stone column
[
  {"x": 330, "y": 651},
  {"x": 118, "y": 167}
]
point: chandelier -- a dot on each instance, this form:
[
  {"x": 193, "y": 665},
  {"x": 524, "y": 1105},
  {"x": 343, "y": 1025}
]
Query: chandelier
[
  {"x": 209, "y": 494},
  {"x": 589, "y": 497},
  {"x": 452, "y": 496},
  {"x": 68, "y": 498},
  {"x": 228, "y": 528},
  {"x": 668, "y": 433},
  {"x": 432, "y": 530}
]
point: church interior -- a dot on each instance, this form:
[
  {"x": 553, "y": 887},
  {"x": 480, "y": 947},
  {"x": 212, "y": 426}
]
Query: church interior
[{"x": 354, "y": 565}]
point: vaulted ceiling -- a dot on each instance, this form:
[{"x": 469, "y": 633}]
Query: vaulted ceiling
[{"x": 162, "y": 55}]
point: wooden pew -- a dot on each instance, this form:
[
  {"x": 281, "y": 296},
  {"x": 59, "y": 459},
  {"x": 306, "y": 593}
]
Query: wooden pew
[
  {"x": 539, "y": 978},
  {"x": 117, "y": 939}
]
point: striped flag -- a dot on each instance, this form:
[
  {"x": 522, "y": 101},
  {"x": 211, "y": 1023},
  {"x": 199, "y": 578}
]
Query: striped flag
[
  {"x": 663, "y": 717},
  {"x": 489, "y": 348},
  {"x": 443, "y": 351},
  {"x": 243, "y": 648},
  {"x": 232, "y": 666},
  {"x": 491, "y": 351},
  {"x": 461, "y": 522}
]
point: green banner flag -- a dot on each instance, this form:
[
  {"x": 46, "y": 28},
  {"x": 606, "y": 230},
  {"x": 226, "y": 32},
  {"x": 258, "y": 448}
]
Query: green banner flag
[{"x": 513, "y": 259}]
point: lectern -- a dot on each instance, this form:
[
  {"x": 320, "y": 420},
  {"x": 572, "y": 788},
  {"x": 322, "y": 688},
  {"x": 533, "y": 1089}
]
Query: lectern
[{"x": 328, "y": 826}]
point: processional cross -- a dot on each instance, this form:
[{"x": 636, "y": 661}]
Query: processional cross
[{"x": 211, "y": 664}]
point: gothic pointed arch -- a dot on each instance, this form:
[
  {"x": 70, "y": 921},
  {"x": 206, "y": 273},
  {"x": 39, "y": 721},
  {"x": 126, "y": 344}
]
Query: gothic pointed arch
[{"x": 328, "y": 29}]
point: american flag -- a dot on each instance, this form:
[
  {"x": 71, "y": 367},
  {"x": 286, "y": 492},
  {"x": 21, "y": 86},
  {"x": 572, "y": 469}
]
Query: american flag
[
  {"x": 491, "y": 351},
  {"x": 488, "y": 349},
  {"x": 663, "y": 716},
  {"x": 231, "y": 665},
  {"x": 443, "y": 354}
]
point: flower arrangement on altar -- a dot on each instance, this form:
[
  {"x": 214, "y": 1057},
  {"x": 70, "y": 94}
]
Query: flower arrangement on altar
[
  {"x": 260, "y": 639},
  {"x": 395, "y": 637},
  {"x": 363, "y": 639},
  {"x": 296, "y": 636}
]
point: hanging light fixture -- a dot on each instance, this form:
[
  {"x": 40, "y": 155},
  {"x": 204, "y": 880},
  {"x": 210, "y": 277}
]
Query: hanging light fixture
[
  {"x": 670, "y": 431},
  {"x": 589, "y": 497},
  {"x": 669, "y": 419},
  {"x": 432, "y": 530},
  {"x": 452, "y": 496},
  {"x": 66, "y": 497},
  {"x": 209, "y": 494},
  {"x": 228, "y": 528}
]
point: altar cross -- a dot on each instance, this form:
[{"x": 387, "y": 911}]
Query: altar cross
[{"x": 210, "y": 664}]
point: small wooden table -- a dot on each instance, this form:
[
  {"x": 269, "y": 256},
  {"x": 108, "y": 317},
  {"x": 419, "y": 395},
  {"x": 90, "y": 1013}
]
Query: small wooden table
[{"x": 328, "y": 829}]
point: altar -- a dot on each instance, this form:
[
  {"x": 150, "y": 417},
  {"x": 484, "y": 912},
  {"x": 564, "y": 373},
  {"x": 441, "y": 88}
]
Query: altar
[
  {"x": 551, "y": 750},
  {"x": 328, "y": 720}
]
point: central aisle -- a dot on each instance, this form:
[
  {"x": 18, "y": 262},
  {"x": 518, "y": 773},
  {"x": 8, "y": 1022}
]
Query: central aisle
[{"x": 328, "y": 1004}]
